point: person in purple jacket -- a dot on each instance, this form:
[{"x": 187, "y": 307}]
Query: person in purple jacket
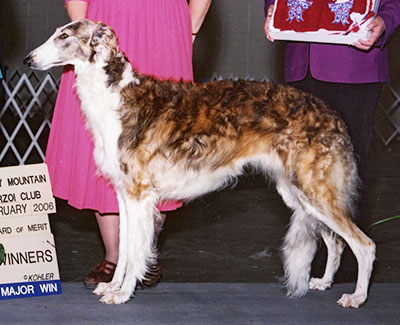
[{"x": 348, "y": 78}]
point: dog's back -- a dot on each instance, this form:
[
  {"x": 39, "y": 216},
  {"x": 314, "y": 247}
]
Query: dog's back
[{"x": 209, "y": 115}]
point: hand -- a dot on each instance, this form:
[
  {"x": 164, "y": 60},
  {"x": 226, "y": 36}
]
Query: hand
[
  {"x": 270, "y": 10},
  {"x": 376, "y": 27}
]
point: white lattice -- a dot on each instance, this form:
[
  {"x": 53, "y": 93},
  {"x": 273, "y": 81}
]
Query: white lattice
[
  {"x": 25, "y": 115},
  {"x": 387, "y": 123}
]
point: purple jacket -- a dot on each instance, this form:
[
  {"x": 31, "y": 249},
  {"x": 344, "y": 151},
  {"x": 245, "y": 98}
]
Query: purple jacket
[{"x": 343, "y": 63}]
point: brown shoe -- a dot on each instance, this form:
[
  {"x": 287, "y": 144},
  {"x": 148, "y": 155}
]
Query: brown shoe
[
  {"x": 102, "y": 272},
  {"x": 153, "y": 276}
]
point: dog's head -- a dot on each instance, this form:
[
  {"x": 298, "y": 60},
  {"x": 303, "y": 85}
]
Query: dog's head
[{"x": 79, "y": 42}]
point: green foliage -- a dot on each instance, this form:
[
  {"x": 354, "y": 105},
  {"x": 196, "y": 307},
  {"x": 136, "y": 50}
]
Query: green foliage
[
  {"x": 2, "y": 253},
  {"x": 384, "y": 220}
]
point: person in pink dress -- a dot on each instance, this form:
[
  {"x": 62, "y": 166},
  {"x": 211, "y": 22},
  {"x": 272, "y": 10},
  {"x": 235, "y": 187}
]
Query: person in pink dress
[{"x": 156, "y": 36}]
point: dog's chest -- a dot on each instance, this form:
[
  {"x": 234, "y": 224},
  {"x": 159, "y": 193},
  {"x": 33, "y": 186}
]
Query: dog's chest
[{"x": 100, "y": 107}]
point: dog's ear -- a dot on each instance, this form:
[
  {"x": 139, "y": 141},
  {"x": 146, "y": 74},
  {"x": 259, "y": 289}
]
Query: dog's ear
[{"x": 104, "y": 43}]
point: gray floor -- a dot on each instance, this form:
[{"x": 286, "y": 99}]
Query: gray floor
[{"x": 205, "y": 303}]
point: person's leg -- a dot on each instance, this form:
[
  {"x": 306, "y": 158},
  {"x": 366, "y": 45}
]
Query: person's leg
[
  {"x": 109, "y": 230},
  {"x": 155, "y": 272}
]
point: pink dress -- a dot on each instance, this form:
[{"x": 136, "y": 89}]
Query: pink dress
[{"x": 156, "y": 37}]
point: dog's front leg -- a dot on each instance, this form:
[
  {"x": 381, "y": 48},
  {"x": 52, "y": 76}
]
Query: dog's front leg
[
  {"x": 140, "y": 253},
  {"x": 103, "y": 287}
]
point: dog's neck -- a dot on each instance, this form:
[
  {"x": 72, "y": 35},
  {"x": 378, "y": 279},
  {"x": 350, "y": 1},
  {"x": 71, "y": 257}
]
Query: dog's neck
[
  {"x": 99, "y": 83},
  {"x": 114, "y": 73}
]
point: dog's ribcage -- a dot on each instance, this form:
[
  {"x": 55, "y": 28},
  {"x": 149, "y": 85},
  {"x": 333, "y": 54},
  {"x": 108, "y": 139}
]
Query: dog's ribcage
[{"x": 163, "y": 135}]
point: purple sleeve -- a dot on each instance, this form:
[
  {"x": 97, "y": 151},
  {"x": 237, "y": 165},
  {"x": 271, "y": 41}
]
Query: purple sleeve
[
  {"x": 389, "y": 11},
  {"x": 267, "y": 4}
]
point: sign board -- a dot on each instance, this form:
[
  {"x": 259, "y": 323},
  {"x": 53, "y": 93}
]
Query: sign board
[
  {"x": 22, "y": 226},
  {"x": 324, "y": 21},
  {"x": 29, "y": 267},
  {"x": 28, "y": 260},
  {"x": 25, "y": 191}
]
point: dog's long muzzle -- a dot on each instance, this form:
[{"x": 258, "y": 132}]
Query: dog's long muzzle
[{"x": 41, "y": 59}]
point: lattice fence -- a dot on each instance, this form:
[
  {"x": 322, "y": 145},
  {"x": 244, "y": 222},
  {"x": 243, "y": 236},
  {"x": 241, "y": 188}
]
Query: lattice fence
[
  {"x": 27, "y": 102},
  {"x": 387, "y": 122}
]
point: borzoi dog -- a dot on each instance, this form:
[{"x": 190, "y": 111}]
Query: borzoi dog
[{"x": 160, "y": 140}]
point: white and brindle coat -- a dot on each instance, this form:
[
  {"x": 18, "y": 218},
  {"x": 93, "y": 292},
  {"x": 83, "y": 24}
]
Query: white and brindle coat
[{"x": 159, "y": 140}]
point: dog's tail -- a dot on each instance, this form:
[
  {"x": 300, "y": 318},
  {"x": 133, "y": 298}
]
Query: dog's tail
[{"x": 298, "y": 250}]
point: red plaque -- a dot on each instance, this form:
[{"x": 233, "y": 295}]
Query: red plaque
[{"x": 325, "y": 21}]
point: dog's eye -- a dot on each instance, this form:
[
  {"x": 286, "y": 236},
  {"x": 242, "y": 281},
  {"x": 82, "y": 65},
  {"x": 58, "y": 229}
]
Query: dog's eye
[{"x": 63, "y": 36}]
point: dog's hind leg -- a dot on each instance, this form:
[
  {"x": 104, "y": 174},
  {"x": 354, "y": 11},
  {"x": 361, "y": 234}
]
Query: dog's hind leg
[
  {"x": 103, "y": 287},
  {"x": 332, "y": 211},
  {"x": 140, "y": 253},
  {"x": 335, "y": 248},
  {"x": 364, "y": 250},
  {"x": 326, "y": 176}
]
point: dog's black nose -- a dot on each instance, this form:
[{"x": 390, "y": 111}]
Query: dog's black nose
[{"x": 28, "y": 60}]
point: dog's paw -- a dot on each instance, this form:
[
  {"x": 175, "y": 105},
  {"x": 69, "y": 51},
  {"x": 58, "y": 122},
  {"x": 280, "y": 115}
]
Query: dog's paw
[
  {"x": 105, "y": 288},
  {"x": 115, "y": 298},
  {"x": 319, "y": 284},
  {"x": 352, "y": 300}
]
